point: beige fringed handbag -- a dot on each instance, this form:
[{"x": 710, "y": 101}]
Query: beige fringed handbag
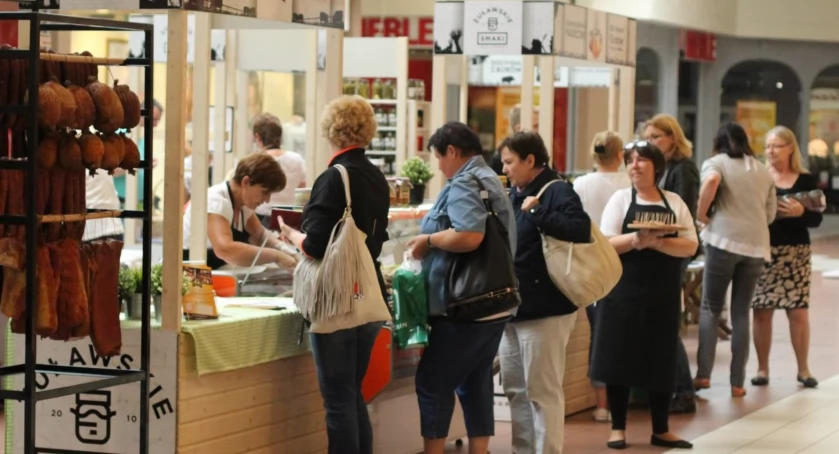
[{"x": 342, "y": 290}]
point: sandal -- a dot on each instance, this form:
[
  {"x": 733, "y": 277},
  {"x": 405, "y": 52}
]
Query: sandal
[
  {"x": 737, "y": 391},
  {"x": 761, "y": 380},
  {"x": 808, "y": 382}
]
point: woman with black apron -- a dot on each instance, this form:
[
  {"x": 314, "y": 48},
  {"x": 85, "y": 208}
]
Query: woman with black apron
[
  {"x": 234, "y": 233},
  {"x": 638, "y": 322}
]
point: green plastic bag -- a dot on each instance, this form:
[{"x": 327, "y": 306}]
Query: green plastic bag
[{"x": 410, "y": 305}]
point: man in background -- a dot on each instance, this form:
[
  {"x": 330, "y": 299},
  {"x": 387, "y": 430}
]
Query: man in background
[{"x": 514, "y": 118}]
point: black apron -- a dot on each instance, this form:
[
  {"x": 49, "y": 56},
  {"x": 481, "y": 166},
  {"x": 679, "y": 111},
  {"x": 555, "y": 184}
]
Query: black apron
[
  {"x": 638, "y": 322},
  {"x": 239, "y": 236}
]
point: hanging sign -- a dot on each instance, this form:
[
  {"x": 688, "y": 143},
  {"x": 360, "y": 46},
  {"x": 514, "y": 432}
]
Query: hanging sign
[
  {"x": 538, "y": 31},
  {"x": 137, "y": 40},
  {"x": 106, "y": 420},
  {"x": 596, "y": 36},
  {"x": 571, "y": 24},
  {"x": 617, "y": 40},
  {"x": 493, "y": 28},
  {"x": 448, "y": 27}
]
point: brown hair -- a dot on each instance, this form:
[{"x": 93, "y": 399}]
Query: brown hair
[
  {"x": 683, "y": 149},
  {"x": 267, "y": 127},
  {"x": 262, "y": 170},
  {"x": 606, "y": 147}
]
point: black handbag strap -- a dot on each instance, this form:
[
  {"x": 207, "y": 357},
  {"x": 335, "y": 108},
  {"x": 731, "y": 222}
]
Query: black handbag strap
[{"x": 484, "y": 194}]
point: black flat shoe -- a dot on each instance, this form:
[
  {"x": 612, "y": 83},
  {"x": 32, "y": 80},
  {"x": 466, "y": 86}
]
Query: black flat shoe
[
  {"x": 678, "y": 444},
  {"x": 761, "y": 380},
  {"x": 617, "y": 444},
  {"x": 808, "y": 382}
]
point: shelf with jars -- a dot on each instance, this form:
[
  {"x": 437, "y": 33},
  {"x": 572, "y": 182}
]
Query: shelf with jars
[{"x": 377, "y": 69}]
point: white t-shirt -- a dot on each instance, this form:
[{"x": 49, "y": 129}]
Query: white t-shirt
[
  {"x": 294, "y": 168},
  {"x": 615, "y": 213},
  {"x": 101, "y": 194},
  {"x": 218, "y": 202},
  {"x": 595, "y": 190}
]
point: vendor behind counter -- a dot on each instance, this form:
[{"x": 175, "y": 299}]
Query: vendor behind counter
[{"x": 234, "y": 233}]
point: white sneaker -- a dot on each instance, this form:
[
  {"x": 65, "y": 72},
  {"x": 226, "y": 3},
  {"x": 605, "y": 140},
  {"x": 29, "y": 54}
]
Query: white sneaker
[{"x": 601, "y": 415}]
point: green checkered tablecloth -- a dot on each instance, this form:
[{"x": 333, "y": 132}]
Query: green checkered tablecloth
[{"x": 245, "y": 337}]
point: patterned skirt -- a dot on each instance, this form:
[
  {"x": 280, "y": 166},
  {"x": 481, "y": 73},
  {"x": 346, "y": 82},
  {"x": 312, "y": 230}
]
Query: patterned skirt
[{"x": 785, "y": 283}]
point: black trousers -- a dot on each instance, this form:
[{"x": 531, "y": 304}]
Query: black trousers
[{"x": 618, "y": 398}]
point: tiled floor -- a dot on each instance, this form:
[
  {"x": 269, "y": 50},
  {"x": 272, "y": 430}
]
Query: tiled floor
[{"x": 779, "y": 419}]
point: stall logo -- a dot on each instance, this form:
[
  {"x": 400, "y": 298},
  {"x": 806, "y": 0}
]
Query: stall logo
[
  {"x": 93, "y": 417},
  {"x": 492, "y": 18}
]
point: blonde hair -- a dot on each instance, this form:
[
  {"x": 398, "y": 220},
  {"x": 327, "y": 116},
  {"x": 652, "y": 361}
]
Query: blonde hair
[
  {"x": 348, "y": 121},
  {"x": 683, "y": 149},
  {"x": 612, "y": 144},
  {"x": 795, "y": 161}
]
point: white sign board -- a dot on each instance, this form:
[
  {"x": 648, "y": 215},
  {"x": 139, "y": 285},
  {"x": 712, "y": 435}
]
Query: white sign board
[
  {"x": 571, "y": 30},
  {"x": 106, "y": 420},
  {"x": 617, "y": 40},
  {"x": 596, "y": 36},
  {"x": 136, "y": 40},
  {"x": 538, "y": 31},
  {"x": 493, "y": 28},
  {"x": 448, "y": 27}
]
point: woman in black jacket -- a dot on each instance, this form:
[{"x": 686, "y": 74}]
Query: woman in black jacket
[
  {"x": 532, "y": 350},
  {"x": 341, "y": 357},
  {"x": 682, "y": 177}
]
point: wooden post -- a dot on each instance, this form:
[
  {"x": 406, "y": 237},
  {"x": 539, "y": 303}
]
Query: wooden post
[
  {"x": 626, "y": 103},
  {"x": 173, "y": 187},
  {"x": 200, "y": 140},
  {"x": 332, "y": 86},
  {"x": 528, "y": 68},
  {"x": 312, "y": 111},
  {"x": 439, "y": 89},
  {"x": 547, "y": 68}
]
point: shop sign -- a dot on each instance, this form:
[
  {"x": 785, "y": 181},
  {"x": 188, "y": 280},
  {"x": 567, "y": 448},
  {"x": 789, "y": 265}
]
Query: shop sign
[
  {"x": 596, "y": 36},
  {"x": 698, "y": 46},
  {"x": 617, "y": 39},
  {"x": 538, "y": 31},
  {"x": 137, "y": 40},
  {"x": 571, "y": 25},
  {"x": 419, "y": 30},
  {"x": 493, "y": 28},
  {"x": 106, "y": 420},
  {"x": 501, "y": 70},
  {"x": 448, "y": 27}
]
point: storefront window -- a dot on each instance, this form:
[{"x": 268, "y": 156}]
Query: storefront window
[
  {"x": 646, "y": 85},
  {"x": 760, "y": 94}
]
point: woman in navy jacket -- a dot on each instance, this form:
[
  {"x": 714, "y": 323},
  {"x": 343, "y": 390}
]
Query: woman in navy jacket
[{"x": 532, "y": 350}]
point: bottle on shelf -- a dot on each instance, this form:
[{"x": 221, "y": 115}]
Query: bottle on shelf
[
  {"x": 376, "y": 144},
  {"x": 391, "y": 117},
  {"x": 381, "y": 115},
  {"x": 390, "y": 141},
  {"x": 412, "y": 88},
  {"x": 420, "y": 118},
  {"x": 377, "y": 89},
  {"x": 387, "y": 90},
  {"x": 363, "y": 88},
  {"x": 420, "y": 90}
]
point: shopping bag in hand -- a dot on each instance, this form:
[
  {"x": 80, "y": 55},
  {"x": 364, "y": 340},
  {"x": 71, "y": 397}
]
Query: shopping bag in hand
[{"x": 410, "y": 304}]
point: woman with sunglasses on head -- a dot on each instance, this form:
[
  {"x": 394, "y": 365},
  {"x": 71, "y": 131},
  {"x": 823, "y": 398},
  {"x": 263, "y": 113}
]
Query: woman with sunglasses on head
[
  {"x": 785, "y": 283},
  {"x": 682, "y": 177},
  {"x": 635, "y": 343},
  {"x": 736, "y": 239}
]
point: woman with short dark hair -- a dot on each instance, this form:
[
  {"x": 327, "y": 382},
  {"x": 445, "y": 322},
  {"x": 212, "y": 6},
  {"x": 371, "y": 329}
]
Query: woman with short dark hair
[
  {"x": 532, "y": 350},
  {"x": 736, "y": 239},
  {"x": 267, "y": 137},
  {"x": 635, "y": 344},
  {"x": 460, "y": 354}
]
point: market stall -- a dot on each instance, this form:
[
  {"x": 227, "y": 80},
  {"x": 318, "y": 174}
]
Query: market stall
[{"x": 511, "y": 48}]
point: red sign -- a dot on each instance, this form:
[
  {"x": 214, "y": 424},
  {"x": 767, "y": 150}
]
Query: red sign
[
  {"x": 698, "y": 46},
  {"x": 419, "y": 30}
]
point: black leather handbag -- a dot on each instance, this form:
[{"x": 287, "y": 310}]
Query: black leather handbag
[{"x": 483, "y": 283}]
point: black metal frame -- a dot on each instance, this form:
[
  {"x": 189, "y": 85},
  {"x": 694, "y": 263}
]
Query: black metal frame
[{"x": 104, "y": 378}]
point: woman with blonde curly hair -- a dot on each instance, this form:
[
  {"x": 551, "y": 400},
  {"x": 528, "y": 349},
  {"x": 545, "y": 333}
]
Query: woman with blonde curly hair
[
  {"x": 682, "y": 177},
  {"x": 785, "y": 281},
  {"x": 341, "y": 357}
]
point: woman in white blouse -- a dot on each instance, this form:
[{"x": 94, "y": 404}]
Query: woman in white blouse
[
  {"x": 595, "y": 189},
  {"x": 635, "y": 343},
  {"x": 736, "y": 240},
  {"x": 267, "y": 136}
]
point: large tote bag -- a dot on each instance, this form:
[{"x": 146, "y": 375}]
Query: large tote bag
[
  {"x": 584, "y": 272},
  {"x": 342, "y": 290}
]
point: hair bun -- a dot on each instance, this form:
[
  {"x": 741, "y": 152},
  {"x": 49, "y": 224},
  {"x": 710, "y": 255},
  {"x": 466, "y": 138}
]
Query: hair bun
[{"x": 600, "y": 148}]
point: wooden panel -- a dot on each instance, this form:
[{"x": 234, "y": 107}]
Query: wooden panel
[
  {"x": 579, "y": 395},
  {"x": 270, "y": 408}
]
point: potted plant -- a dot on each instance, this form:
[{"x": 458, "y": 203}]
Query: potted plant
[
  {"x": 157, "y": 289},
  {"x": 129, "y": 283},
  {"x": 418, "y": 172}
]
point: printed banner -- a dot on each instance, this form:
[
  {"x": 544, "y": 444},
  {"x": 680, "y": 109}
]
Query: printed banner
[
  {"x": 105, "y": 420},
  {"x": 448, "y": 27},
  {"x": 757, "y": 118},
  {"x": 538, "y": 32},
  {"x": 493, "y": 28}
]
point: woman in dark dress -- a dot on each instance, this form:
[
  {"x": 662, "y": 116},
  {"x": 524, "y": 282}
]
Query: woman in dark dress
[
  {"x": 636, "y": 340},
  {"x": 785, "y": 282}
]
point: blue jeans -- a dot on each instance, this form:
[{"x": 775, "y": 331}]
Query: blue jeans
[
  {"x": 458, "y": 359},
  {"x": 341, "y": 359}
]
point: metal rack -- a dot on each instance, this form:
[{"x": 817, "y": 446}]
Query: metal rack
[{"x": 102, "y": 378}]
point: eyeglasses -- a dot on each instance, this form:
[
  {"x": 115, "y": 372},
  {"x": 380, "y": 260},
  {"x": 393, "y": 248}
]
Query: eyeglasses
[
  {"x": 636, "y": 144},
  {"x": 774, "y": 146}
]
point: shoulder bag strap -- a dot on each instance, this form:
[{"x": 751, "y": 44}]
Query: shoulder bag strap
[
  {"x": 545, "y": 187},
  {"x": 345, "y": 177},
  {"x": 483, "y": 193}
]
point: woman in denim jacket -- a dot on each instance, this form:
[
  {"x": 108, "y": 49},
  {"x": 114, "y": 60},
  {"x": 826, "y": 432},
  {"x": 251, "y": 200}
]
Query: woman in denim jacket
[{"x": 459, "y": 355}]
